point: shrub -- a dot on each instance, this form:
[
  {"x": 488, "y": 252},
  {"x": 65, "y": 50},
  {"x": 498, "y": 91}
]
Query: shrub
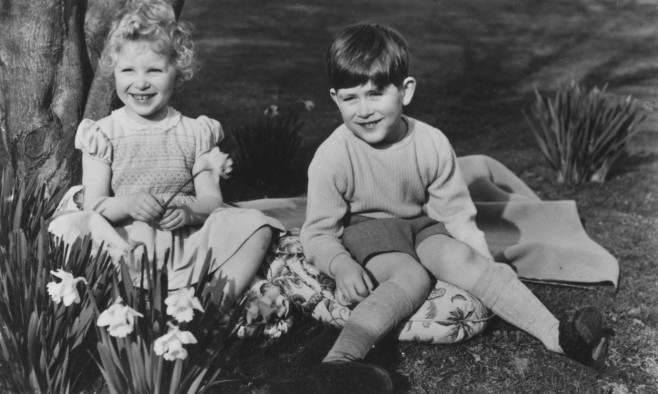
[
  {"x": 582, "y": 132},
  {"x": 134, "y": 362},
  {"x": 49, "y": 327},
  {"x": 265, "y": 147},
  {"x": 44, "y": 344}
]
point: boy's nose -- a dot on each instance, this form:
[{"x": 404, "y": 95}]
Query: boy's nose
[{"x": 364, "y": 109}]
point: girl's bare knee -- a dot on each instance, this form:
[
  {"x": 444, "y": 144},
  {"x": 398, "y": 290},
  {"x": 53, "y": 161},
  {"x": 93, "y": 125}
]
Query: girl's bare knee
[{"x": 262, "y": 236}]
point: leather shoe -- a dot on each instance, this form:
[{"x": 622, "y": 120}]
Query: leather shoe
[
  {"x": 339, "y": 377},
  {"x": 585, "y": 337}
]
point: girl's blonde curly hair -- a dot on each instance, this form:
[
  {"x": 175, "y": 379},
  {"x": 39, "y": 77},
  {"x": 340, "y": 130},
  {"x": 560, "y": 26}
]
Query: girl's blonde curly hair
[{"x": 152, "y": 21}]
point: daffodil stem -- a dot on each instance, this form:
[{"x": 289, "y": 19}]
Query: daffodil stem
[{"x": 166, "y": 204}]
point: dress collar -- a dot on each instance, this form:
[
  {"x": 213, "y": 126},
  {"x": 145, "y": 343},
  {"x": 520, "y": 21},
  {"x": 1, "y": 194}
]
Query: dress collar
[{"x": 170, "y": 121}]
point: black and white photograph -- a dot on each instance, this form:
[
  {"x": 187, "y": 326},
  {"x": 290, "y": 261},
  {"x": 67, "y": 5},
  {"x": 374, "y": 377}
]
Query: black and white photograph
[{"x": 328, "y": 197}]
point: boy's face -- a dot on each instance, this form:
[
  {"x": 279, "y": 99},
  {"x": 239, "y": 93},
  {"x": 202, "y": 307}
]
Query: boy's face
[{"x": 372, "y": 114}]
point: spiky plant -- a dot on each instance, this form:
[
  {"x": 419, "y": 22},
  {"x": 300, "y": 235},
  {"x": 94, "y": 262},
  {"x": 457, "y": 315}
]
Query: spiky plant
[
  {"x": 131, "y": 364},
  {"x": 45, "y": 346},
  {"x": 582, "y": 132},
  {"x": 265, "y": 148}
]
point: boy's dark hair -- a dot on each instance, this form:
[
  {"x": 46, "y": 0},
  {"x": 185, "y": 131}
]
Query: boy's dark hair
[{"x": 367, "y": 52}]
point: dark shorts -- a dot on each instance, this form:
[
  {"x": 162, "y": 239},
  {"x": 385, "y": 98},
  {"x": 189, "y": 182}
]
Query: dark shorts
[{"x": 365, "y": 237}]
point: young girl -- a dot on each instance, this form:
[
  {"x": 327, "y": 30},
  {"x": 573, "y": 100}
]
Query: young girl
[{"x": 138, "y": 157}]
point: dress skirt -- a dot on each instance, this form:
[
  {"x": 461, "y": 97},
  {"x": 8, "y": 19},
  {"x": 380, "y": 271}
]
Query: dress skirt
[{"x": 222, "y": 234}]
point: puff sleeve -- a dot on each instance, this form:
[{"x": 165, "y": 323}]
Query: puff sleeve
[
  {"x": 208, "y": 133},
  {"x": 92, "y": 141}
]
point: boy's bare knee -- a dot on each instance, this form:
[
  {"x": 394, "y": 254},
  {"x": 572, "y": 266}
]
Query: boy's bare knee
[
  {"x": 415, "y": 279},
  {"x": 416, "y": 274},
  {"x": 460, "y": 253}
]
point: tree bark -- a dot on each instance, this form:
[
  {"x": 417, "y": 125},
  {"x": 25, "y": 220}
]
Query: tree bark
[
  {"x": 43, "y": 76},
  {"x": 49, "y": 51}
]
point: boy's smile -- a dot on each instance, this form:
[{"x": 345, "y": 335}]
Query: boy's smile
[
  {"x": 372, "y": 114},
  {"x": 144, "y": 81}
]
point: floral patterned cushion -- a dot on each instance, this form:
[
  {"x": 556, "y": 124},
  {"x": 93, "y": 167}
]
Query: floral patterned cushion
[{"x": 288, "y": 283}]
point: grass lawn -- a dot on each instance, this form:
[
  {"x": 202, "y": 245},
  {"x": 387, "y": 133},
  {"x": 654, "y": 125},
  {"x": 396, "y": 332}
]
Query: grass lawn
[{"x": 476, "y": 63}]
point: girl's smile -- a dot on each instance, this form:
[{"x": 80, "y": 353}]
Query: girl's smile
[{"x": 144, "y": 81}]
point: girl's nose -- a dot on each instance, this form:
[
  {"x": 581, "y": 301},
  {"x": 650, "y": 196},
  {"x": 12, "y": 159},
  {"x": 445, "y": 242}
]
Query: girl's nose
[{"x": 142, "y": 83}]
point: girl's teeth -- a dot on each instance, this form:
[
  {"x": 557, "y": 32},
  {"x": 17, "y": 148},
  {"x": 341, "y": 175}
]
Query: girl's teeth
[{"x": 142, "y": 97}]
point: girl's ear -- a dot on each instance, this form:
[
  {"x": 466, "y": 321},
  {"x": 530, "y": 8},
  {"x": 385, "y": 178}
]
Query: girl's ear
[{"x": 408, "y": 88}]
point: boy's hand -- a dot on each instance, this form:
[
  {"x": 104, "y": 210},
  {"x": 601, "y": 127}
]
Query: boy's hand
[
  {"x": 351, "y": 279},
  {"x": 175, "y": 218},
  {"x": 145, "y": 208}
]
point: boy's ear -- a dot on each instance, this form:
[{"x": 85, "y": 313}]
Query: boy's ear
[
  {"x": 408, "y": 89},
  {"x": 332, "y": 93}
]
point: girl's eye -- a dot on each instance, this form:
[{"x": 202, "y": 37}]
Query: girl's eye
[
  {"x": 126, "y": 70},
  {"x": 155, "y": 70}
]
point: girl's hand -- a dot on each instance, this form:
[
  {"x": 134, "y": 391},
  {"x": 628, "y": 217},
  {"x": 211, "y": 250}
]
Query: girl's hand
[
  {"x": 146, "y": 208},
  {"x": 352, "y": 280},
  {"x": 176, "y": 217}
]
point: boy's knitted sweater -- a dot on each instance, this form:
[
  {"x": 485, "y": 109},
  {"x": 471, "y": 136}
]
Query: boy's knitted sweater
[{"x": 417, "y": 176}]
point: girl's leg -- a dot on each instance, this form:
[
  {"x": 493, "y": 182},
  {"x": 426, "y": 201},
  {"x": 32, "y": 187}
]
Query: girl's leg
[
  {"x": 403, "y": 285},
  {"x": 235, "y": 275},
  {"x": 495, "y": 284}
]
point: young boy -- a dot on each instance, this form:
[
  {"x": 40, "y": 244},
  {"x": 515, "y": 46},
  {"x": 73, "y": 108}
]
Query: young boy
[{"x": 388, "y": 209}]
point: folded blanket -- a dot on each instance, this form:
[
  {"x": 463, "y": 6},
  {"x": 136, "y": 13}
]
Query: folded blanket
[{"x": 542, "y": 240}]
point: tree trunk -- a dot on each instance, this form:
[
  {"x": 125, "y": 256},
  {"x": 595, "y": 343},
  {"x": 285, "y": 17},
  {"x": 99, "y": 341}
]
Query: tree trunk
[
  {"x": 43, "y": 75},
  {"x": 49, "y": 50}
]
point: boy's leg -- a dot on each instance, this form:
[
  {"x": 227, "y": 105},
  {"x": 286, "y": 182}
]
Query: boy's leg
[
  {"x": 495, "y": 284},
  {"x": 403, "y": 285}
]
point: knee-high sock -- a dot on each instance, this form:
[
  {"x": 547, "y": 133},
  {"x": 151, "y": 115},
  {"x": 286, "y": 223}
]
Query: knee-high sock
[
  {"x": 500, "y": 290},
  {"x": 371, "y": 320}
]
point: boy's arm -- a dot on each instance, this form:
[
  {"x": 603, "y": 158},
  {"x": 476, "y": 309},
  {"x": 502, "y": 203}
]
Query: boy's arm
[
  {"x": 450, "y": 201},
  {"x": 320, "y": 236},
  {"x": 325, "y": 210}
]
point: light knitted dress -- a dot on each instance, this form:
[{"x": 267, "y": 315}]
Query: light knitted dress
[{"x": 158, "y": 159}]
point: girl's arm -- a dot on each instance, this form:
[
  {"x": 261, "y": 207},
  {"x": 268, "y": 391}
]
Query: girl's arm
[
  {"x": 195, "y": 213},
  {"x": 96, "y": 177}
]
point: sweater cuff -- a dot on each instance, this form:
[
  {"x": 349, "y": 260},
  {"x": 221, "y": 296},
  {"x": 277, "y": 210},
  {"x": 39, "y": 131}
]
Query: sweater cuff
[{"x": 322, "y": 256}]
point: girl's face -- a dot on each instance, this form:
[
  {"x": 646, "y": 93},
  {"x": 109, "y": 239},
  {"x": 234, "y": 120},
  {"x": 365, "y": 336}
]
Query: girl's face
[{"x": 144, "y": 81}]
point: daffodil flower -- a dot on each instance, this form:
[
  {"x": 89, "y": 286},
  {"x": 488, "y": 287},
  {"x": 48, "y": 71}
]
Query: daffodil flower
[
  {"x": 64, "y": 291},
  {"x": 272, "y": 111},
  {"x": 215, "y": 161},
  {"x": 276, "y": 330},
  {"x": 119, "y": 319},
  {"x": 181, "y": 305},
  {"x": 170, "y": 345},
  {"x": 308, "y": 105}
]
